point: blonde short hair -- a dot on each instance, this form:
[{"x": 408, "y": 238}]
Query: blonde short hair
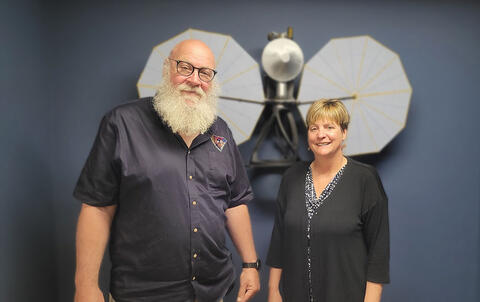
[{"x": 330, "y": 110}]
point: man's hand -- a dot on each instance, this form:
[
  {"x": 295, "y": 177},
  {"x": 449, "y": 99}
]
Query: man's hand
[
  {"x": 249, "y": 284},
  {"x": 240, "y": 229},
  {"x": 90, "y": 294}
]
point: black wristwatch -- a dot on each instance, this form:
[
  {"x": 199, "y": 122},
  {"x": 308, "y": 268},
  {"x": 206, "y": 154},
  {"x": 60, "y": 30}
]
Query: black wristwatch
[{"x": 256, "y": 265}]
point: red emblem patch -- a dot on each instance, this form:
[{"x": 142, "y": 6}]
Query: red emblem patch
[{"x": 219, "y": 142}]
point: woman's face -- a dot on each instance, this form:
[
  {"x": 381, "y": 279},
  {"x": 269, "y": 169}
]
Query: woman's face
[{"x": 325, "y": 138}]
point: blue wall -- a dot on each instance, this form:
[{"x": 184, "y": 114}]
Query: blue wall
[
  {"x": 27, "y": 220},
  {"x": 64, "y": 65}
]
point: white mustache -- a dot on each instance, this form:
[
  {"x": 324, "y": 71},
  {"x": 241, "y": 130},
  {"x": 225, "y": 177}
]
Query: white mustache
[{"x": 187, "y": 88}]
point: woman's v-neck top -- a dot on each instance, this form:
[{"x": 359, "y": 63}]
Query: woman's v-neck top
[{"x": 348, "y": 231}]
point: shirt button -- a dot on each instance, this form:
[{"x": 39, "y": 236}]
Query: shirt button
[
  {"x": 195, "y": 255},
  {"x": 188, "y": 151},
  {"x": 190, "y": 177},
  {"x": 193, "y": 278},
  {"x": 195, "y": 230},
  {"x": 194, "y": 203}
]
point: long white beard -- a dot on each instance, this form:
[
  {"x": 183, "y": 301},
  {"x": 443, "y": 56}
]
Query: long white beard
[{"x": 183, "y": 118}]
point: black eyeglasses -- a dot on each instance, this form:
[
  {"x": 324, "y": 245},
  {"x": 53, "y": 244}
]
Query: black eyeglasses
[{"x": 186, "y": 69}]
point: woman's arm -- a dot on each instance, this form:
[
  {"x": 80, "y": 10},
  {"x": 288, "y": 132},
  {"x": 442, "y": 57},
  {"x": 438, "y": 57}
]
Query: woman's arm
[
  {"x": 377, "y": 238},
  {"x": 273, "y": 285},
  {"x": 373, "y": 293}
]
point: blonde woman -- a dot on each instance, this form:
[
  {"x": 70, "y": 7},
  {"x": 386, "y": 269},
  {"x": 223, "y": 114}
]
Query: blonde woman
[{"x": 330, "y": 241}]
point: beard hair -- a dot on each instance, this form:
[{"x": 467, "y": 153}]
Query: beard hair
[{"x": 181, "y": 117}]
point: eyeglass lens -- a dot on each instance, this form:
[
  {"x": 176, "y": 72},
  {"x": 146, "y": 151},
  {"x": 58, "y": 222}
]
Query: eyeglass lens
[{"x": 186, "y": 69}]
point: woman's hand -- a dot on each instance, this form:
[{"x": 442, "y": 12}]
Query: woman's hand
[
  {"x": 273, "y": 285},
  {"x": 274, "y": 295},
  {"x": 373, "y": 292},
  {"x": 89, "y": 294}
]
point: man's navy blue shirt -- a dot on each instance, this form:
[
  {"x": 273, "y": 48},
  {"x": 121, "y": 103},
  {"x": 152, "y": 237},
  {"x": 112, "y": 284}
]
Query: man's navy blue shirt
[{"x": 167, "y": 238}]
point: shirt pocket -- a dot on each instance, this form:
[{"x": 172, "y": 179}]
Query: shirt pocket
[{"x": 219, "y": 172}]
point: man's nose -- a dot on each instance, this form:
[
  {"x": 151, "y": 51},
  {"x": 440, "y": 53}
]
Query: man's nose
[{"x": 193, "y": 79}]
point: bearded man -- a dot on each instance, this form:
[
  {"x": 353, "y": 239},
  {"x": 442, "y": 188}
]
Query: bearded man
[{"x": 163, "y": 179}]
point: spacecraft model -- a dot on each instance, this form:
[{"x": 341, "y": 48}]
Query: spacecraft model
[{"x": 365, "y": 75}]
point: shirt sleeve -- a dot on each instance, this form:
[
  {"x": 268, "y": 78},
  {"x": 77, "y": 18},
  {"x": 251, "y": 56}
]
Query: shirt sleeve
[
  {"x": 376, "y": 230},
  {"x": 240, "y": 189},
  {"x": 274, "y": 256},
  {"x": 98, "y": 184}
]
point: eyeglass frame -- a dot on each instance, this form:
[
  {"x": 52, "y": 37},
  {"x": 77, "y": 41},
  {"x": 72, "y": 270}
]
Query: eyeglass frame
[{"x": 193, "y": 70}]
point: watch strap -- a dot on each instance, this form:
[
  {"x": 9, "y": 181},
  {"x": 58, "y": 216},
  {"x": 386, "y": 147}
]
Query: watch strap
[{"x": 256, "y": 265}]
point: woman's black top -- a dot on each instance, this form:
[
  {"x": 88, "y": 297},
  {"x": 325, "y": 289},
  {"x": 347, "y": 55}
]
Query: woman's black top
[{"x": 349, "y": 236}]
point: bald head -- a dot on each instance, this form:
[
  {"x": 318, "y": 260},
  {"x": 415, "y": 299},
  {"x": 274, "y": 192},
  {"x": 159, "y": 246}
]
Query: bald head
[{"x": 194, "y": 50}]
